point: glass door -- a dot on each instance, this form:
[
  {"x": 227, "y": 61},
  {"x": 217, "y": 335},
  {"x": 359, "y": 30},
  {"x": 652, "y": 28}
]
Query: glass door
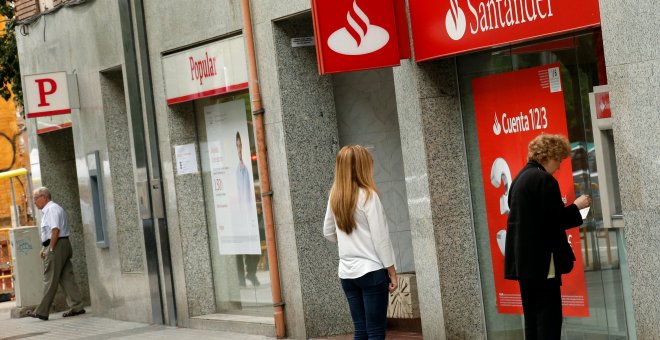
[
  {"x": 232, "y": 197},
  {"x": 602, "y": 247}
]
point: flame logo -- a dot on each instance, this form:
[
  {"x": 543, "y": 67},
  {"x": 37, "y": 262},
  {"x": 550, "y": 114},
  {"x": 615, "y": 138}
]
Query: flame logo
[
  {"x": 357, "y": 28},
  {"x": 359, "y": 36},
  {"x": 497, "y": 128},
  {"x": 455, "y": 22}
]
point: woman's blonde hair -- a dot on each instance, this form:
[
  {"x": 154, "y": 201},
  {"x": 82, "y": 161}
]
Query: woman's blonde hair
[
  {"x": 353, "y": 170},
  {"x": 546, "y": 147}
]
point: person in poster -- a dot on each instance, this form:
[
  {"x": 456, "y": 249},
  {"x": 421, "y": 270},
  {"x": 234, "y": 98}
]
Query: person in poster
[
  {"x": 230, "y": 167},
  {"x": 537, "y": 250},
  {"x": 242, "y": 178},
  {"x": 245, "y": 200}
]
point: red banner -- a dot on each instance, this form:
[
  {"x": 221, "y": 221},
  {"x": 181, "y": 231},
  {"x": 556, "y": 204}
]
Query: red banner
[
  {"x": 512, "y": 109},
  {"x": 442, "y": 28},
  {"x": 354, "y": 35}
]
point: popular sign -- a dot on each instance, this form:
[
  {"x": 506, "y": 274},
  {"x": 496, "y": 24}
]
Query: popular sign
[
  {"x": 48, "y": 94},
  {"x": 206, "y": 71},
  {"x": 355, "y": 35},
  {"x": 446, "y": 27},
  {"x": 511, "y": 110}
]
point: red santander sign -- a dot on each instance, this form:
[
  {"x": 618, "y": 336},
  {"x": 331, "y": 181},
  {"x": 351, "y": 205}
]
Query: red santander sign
[
  {"x": 354, "y": 35},
  {"x": 447, "y": 27}
]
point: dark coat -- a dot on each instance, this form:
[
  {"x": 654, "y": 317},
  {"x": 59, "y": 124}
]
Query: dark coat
[{"x": 537, "y": 224}]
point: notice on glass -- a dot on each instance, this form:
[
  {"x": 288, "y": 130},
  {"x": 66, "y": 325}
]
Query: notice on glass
[
  {"x": 232, "y": 179},
  {"x": 186, "y": 159},
  {"x": 555, "y": 79}
]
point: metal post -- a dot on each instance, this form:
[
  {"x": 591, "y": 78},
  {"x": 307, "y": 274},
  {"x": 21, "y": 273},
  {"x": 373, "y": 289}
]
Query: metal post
[
  {"x": 13, "y": 202},
  {"x": 28, "y": 176}
]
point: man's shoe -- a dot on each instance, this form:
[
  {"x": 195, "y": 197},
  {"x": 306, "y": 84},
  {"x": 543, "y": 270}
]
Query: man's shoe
[
  {"x": 32, "y": 314},
  {"x": 73, "y": 313}
]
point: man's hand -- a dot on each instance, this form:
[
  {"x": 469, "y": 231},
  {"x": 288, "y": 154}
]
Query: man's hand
[
  {"x": 41, "y": 253},
  {"x": 54, "y": 236}
]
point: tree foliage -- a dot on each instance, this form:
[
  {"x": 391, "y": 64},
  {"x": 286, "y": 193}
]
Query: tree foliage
[{"x": 10, "y": 73}]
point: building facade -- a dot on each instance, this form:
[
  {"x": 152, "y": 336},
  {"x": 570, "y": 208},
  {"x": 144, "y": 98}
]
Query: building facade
[{"x": 152, "y": 165}]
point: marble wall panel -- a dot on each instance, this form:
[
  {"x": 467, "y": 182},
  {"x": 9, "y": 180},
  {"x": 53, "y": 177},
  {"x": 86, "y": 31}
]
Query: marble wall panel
[
  {"x": 433, "y": 113},
  {"x": 633, "y": 62},
  {"x": 633, "y": 92},
  {"x": 629, "y": 29},
  {"x": 419, "y": 201},
  {"x": 192, "y": 228},
  {"x": 130, "y": 241},
  {"x": 309, "y": 131}
]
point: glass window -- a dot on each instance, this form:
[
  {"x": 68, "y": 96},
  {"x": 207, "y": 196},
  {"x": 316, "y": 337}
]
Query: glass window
[
  {"x": 579, "y": 62},
  {"x": 232, "y": 197}
]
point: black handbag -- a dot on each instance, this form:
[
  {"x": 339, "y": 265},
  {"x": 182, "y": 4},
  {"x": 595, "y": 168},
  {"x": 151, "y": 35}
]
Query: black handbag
[{"x": 563, "y": 255}]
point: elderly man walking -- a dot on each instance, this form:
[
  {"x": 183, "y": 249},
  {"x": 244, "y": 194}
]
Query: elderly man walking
[{"x": 56, "y": 254}]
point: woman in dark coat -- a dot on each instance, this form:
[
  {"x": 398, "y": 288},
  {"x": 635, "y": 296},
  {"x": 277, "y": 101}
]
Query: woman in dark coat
[{"x": 537, "y": 252}]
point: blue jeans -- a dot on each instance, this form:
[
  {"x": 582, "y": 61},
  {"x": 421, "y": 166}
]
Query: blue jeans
[{"x": 368, "y": 299}]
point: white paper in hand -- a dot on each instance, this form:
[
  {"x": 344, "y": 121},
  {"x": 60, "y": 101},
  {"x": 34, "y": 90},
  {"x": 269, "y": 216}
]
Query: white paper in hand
[{"x": 584, "y": 212}]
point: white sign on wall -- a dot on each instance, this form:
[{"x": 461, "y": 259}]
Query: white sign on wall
[
  {"x": 186, "y": 159},
  {"x": 50, "y": 94},
  {"x": 209, "y": 70}
]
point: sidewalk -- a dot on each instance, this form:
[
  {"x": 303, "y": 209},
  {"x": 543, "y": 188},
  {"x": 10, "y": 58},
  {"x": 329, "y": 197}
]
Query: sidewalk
[
  {"x": 87, "y": 326},
  {"x": 90, "y": 327}
]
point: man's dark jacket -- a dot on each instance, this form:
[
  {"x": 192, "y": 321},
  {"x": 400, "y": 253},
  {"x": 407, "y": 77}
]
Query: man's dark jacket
[{"x": 536, "y": 224}]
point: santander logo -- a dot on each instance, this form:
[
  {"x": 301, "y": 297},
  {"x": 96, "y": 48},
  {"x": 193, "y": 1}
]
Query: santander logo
[
  {"x": 497, "y": 128},
  {"x": 455, "y": 22},
  {"x": 359, "y": 36},
  {"x": 491, "y": 15}
]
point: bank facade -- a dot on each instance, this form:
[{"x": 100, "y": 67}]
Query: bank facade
[{"x": 166, "y": 127}]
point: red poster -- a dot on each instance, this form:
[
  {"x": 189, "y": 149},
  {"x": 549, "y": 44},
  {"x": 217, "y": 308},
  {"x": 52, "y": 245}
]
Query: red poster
[
  {"x": 445, "y": 27},
  {"x": 512, "y": 109},
  {"x": 354, "y": 35}
]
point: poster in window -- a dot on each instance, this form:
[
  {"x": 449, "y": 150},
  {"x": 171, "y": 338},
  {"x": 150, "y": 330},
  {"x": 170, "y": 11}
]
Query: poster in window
[
  {"x": 232, "y": 180},
  {"x": 512, "y": 109}
]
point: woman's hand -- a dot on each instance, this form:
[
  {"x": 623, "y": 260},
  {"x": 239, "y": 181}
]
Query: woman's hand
[
  {"x": 583, "y": 202},
  {"x": 394, "y": 283}
]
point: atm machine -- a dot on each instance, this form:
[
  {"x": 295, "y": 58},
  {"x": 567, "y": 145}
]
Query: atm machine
[
  {"x": 608, "y": 186},
  {"x": 601, "y": 121}
]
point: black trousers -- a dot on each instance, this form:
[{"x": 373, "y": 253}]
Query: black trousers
[{"x": 541, "y": 301}]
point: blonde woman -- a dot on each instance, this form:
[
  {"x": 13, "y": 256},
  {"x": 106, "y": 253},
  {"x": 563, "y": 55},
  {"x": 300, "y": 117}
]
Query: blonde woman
[
  {"x": 537, "y": 250},
  {"x": 356, "y": 221}
]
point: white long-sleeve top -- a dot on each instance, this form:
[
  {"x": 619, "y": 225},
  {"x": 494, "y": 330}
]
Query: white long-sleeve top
[{"x": 368, "y": 247}]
